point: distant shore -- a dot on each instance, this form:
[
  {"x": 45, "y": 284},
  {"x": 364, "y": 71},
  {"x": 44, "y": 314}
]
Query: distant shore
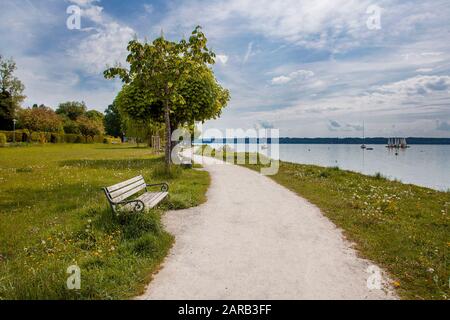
[{"x": 376, "y": 140}]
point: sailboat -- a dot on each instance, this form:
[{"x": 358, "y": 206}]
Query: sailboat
[{"x": 363, "y": 146}]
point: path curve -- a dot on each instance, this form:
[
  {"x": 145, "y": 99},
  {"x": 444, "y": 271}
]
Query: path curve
[{"x": 254, "y": 239}]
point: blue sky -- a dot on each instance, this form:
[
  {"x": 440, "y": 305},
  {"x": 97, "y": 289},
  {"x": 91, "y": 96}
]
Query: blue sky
[{"x": 309, "y": 68}]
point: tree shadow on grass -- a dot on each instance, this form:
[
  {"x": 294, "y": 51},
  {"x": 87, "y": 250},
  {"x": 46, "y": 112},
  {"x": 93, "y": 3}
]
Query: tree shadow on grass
[{"x": 112, "y": 164}]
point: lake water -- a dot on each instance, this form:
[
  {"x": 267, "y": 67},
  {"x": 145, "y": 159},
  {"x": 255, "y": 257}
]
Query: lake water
[{"x": 424, "y": 165}]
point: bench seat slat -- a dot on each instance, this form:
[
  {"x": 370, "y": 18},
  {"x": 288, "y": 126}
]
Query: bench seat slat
[
  {"x": 150, "y": 199},
  {"x": 154, "y": 201},
  {"x": 130, "y": 193},
  {"x": 125, "y": 189},
  {"x": 146, "y": 197},
  {"x": 124, "y": 184}
]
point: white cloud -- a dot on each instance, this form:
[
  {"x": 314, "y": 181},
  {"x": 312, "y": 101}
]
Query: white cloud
[
  {"x": 424, "y": 70},
  {"x": 93, "y": 13},
  {"x": 296, "y": 75},
  {"x": 431, "y": 54},
  {"x": 314, "y": 24},
  {"x": 222, "y": 58},
  {"x": 83, "y": 3},
  {"x": 249, "y": 52},
  {"x": 419, "y": 85},
  {"x": 105, "y": 46},
  {"x": 281, "y": 80}
]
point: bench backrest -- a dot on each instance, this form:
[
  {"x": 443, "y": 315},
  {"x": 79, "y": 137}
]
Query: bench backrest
[{"x": 123, "y": 190}]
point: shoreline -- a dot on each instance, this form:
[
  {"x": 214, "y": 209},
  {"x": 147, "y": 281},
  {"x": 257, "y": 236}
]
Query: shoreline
[{"x": 418, "y": 166}]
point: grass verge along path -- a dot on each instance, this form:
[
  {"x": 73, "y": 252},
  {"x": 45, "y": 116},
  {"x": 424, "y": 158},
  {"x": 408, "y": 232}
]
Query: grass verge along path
[{"x": 53, "y": 214}]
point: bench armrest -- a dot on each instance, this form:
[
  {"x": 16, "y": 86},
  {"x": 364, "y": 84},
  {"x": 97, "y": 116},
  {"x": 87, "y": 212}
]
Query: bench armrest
[
  {"x": 164, "y": 186},
  {"x": 139, "y": 205}
]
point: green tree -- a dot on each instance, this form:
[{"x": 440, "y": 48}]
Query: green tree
[
  {"x": 161, "y": 68},
  {"x": 69, "y": 126},
  {"x": 11, "y": 93},
  {"x": 95, "y": 115},
  {"x": 71, "y": 109},
  {"x": 113, "y": 121},
  {"x": 203, "y": 99},
  {"x": 89, "y": 127},
  {"x": 7, "y": 111},
  {"x": 40, "y": 118}
]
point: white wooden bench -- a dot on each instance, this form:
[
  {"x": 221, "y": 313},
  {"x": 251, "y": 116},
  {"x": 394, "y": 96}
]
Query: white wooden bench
[{"x": 119, "y": 195}]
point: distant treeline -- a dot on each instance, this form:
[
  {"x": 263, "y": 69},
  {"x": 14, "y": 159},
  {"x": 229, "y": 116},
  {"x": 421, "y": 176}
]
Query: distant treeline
[{"x": 378, "y": 140}]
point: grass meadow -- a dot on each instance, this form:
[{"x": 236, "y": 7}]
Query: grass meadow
[{"x": 53, "y": 214}]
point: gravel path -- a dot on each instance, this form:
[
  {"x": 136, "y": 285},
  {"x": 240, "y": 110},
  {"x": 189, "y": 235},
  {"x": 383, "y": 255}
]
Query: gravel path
[{"x": 254, "y": 239}]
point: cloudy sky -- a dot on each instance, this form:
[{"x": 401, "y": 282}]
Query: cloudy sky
[{"x": 309, "y": 68}]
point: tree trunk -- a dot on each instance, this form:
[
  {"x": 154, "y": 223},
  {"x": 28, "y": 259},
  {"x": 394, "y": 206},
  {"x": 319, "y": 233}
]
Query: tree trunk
[
  {"x": 168, "y": 148},
  {"x": 172, "y": 143}
]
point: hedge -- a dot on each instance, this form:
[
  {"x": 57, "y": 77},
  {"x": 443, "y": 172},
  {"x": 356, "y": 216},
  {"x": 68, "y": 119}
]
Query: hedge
[{"x": 23, "y": 135}]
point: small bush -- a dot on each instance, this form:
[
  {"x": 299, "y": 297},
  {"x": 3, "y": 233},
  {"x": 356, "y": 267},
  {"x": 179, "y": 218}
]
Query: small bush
[
  {"x": 2, "y": 140},
  {"x": 89, "y": 140},
  {"x": 35, "y": 137},
  {"x": 8, "y": 135},
  {"x": 111, "y": 140}
]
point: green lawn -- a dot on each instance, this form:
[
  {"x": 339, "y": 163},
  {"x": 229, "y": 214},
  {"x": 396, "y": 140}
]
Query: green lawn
[
  {"x": 403, "y": 228},
  {"x": 53, "y": 214}
]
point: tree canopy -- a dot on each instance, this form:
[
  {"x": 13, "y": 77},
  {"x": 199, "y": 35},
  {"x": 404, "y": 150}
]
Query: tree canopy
[
  {"x": 11, "y": 93},
  {"x": 163, "y": 80},
  {"x": 40, "y": 118},
  {"x": 202, "y": 98},
  {"x": 113, "y": 121},
  {"x": 72, "y": 109},
  {"x": 90, "y": 127}
]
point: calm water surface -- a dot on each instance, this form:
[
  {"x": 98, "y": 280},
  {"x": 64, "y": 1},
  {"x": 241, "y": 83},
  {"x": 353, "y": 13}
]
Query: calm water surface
[{"x": 424, "y": 165}]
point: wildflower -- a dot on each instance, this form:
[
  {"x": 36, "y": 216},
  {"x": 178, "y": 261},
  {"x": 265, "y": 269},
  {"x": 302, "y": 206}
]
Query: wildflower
[
  {"x": 43, "y": 241},
  {"x": 396, "y": 284},
  {"x": 430, "y": 270}
]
